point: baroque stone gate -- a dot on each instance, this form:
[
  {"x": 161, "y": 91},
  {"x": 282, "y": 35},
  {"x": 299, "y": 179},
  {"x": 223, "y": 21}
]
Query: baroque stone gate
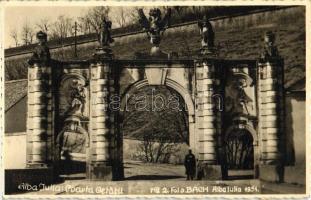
[{"x": 73, "y": 114}]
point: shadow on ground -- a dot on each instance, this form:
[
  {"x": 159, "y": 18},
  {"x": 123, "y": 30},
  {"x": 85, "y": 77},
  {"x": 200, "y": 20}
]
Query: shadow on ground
[
  {"x": 240, "y": 177},
  {"x": 152, "y": 177}
]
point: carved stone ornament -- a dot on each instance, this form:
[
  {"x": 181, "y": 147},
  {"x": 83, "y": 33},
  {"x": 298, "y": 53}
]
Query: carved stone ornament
[
  {"x": 41, "y": 53},
  {"x": 155, "y": 25},
  {"x": 73, "y": 137},
  {"x": 239, "y": 95},
  {"x": 156, "y": 76},
  {"x": 73, "y": 95}
]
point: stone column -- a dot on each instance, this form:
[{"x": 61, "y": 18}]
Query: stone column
[
  {"x": 271, "y": 113},
  {"x": 101, "y": 129},
  {"x": 37, "y": 115},
  {"x": 208, "y": 124},
  {"x": 39, "y": 105}
]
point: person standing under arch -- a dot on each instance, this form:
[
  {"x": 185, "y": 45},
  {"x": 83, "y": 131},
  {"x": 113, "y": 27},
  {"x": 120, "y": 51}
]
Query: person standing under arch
[{"x": 190, "y": 165}]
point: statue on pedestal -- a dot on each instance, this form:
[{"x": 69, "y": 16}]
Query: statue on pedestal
[
  {"x": 208, "y": 35},
  {"x": 154, "y": 26},
  {"x": 105, "y": 39},
  {"x": 270, "y": 50},
  {"x": 41, "y": 53}
]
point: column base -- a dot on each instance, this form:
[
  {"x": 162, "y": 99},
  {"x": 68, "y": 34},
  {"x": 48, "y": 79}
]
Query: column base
[
  {"x": 271, "y": 173},
  {"x": 36, "y": 166},
  {"x": 209, "y": 172},
  {"x": 99, "y": 171},
  {"x": 118, "y": 171}
]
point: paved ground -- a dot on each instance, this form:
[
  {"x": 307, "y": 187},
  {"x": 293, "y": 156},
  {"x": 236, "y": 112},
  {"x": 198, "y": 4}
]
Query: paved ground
[
  {"x": 151, "y": 171},
  {"x": 163, "y": 179}
]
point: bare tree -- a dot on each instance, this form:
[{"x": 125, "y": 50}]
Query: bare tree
[
  {"x": 27, "y": 34},
  {"x": 62, "y": 28},
  {"x": 14, "y": 35},
  {"x": 133, "y": 16},
  {"x": 94, "y": 18},
  {"x": 157, "y": 146},
  {"x": 120, "y": 15},
  {"x": 44, "y": 25},
  {"x": 31, "y": 35},
  {"x": 84, "y": 25}
]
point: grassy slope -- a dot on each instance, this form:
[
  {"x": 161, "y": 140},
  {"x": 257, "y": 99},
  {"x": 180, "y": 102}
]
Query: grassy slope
[{"x": 235, "y": 40}]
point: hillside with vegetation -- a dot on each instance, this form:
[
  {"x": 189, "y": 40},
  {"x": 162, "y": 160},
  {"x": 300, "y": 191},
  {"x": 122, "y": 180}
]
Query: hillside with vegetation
[
  {"x": 156, "y": 119},
  {"x": 236, "y": 38}
]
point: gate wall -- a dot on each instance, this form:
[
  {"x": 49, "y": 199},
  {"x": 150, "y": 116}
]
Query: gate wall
[{"x": 201, "y": 82}]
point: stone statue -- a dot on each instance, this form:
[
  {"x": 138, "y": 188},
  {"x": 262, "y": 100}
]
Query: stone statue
[
  {"x": 243, "y": 98},
  {"x": 41, "y": 53},
  {"x": 207, "y": 33},
  {"x": 155, "y": 25},
  {"x": 73, "y": 137},
  {"x": 238, "y": 100},
  {"x": 78, "y": 99},
  {"x": 105, "y": 38},
  {"x": 270, "y": 50}
]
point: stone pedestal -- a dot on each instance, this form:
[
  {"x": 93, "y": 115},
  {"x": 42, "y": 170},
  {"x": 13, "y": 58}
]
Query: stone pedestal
[
  {"x": 100, "y": 171},
  {"x": 209, "y": 172},
  {"x": 271, "y": 173}
]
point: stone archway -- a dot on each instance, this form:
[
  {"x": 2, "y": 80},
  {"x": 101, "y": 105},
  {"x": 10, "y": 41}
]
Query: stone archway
[
  {"x": 172, "y": 85},
  {"x": 243, "y": 141},
  {"x": 180, "y": 90},
  {"x": 206, "y": 75}
]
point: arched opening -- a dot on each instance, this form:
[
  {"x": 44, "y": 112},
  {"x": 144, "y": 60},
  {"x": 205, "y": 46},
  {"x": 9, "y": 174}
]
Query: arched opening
[
  {"x": 155, "y": 132},
  {"x": 239, "y": 154}
]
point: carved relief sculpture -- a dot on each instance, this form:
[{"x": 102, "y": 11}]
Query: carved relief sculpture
[
  {"x": 238, "y": 99},
  {"x": 73, "y": 138},
  {"x": 78, "y": 99}
]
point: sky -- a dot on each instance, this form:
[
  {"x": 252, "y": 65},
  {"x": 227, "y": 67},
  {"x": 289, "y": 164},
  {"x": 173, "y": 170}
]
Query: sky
[{"x": 15, "y": 17}]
